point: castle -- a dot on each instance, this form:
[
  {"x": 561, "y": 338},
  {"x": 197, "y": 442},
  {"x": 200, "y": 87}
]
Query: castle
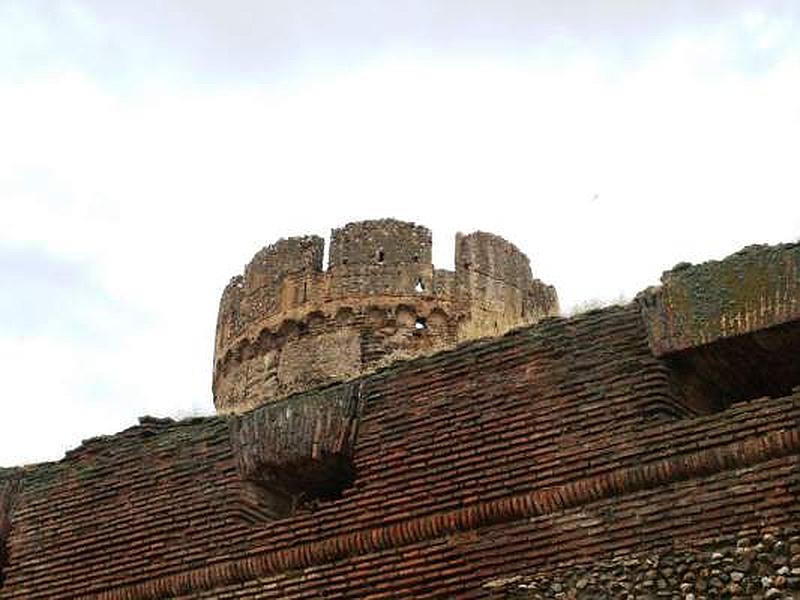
[
  {"x": 288, "y": 326},
  {"x": 386, "y": 429}
]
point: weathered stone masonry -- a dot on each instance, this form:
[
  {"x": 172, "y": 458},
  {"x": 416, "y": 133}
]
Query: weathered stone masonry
[
  {"x": 288, "y": 326},
  {"x": 754, "y": 565},
  {"x": 574, "y": 458}
]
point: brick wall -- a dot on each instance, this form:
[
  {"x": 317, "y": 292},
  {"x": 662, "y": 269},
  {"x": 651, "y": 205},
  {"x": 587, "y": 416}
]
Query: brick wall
[
  {"x": 539, "y": 454},
  {"x": 555, "y": 443}
]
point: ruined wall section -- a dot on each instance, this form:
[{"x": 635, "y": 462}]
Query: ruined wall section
[
  {"x": 159, "y": 497},
  {"x": 494, "y": 277},
  {"x": 261, "y": 294},
  {"x": 385, "y": 241},
  {"x": 729, "y": 329},
  {"x": 300, "y": 448},
  {"x": 750, "y": 291},
  {"x": 288, "y": 326}
]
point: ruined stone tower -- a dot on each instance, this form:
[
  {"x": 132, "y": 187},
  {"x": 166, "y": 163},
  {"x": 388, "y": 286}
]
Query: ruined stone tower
[{"x": 287, "y": 325}]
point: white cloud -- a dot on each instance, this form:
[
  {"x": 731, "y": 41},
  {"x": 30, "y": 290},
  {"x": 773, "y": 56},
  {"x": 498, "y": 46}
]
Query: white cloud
[{"x": 167, "y": 188}]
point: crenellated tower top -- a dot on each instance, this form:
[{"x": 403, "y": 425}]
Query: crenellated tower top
[{"x": 287, "y": 325}]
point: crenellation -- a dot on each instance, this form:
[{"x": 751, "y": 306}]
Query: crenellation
[
  {"x": 496, "y": 278},
  {"x": 269, "y": 275},
  {"x": 490, "y": 255},
  {"x": 286, "y": 256},
  {"x": 397, "y": 304},
  {"x": 380, "y": 242}
]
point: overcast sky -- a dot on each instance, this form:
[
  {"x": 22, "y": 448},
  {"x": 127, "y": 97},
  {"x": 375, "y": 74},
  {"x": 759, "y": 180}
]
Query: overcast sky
[{"x": 149, "y": 148}]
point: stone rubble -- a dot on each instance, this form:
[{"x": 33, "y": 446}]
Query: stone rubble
[{"x": 752, "y": 567}]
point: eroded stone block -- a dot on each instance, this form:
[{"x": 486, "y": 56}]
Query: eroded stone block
[{"x": 754, "y": 289}]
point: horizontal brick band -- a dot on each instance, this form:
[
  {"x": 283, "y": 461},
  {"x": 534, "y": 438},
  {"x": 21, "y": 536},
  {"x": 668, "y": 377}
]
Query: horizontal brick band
[{"x": 513, "y": 508}]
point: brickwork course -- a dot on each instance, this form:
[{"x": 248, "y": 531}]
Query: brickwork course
[{"x": 650, "y": 450}]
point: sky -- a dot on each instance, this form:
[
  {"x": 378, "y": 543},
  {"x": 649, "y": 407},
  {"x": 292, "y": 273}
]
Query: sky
[{"x": 148, "y": 149}]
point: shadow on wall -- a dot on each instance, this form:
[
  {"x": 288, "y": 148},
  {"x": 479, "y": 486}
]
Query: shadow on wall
[
  {"x": 299, "y": 451},
  {"x": 729, "y": 329}
]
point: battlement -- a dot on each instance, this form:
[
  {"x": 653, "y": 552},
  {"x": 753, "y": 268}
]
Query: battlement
[
  {"x": 492, "y": 256},
  {"x": 285, "y": 257},
  {"x": 287, "y": 326},
  {"x": 380, "y": 242}
]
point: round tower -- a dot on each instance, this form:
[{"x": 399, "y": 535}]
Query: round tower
[{"x": 286, "y": 325}]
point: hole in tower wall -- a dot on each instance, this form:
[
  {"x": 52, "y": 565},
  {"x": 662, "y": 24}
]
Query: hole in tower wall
[
  {"x": 419, "y": 286},
  {"x": 326, "y": 253},
  {"x": 420, "y": 323},
  {"x": 344, "y": 315},
  {"x": 714, "y": 376},
  {"x": 380, "y": 256}
]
